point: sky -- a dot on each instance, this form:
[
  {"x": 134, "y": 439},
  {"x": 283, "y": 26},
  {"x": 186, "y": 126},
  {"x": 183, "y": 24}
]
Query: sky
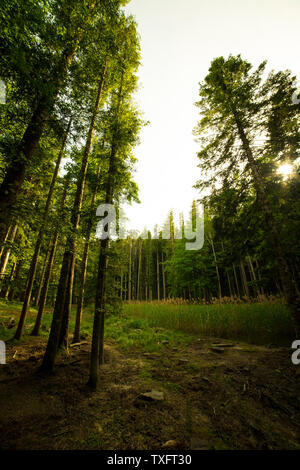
[{"x": 179, "y": 39}]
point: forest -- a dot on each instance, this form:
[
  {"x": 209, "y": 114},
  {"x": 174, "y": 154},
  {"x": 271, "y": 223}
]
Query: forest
[{"x": 136, "y": 342}]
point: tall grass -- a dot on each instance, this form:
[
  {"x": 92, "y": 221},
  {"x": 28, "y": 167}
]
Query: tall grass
[{"x": 260, "y": 323}]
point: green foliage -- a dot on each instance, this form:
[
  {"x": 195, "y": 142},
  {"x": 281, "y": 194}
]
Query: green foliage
[{"x": 263, "y": 323}]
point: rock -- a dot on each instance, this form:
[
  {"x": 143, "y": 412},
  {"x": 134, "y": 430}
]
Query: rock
[
  {"x": 172, "y": 444},
  {"x": 98, "y": 427},
  {"x": 217, "y": 350},
  {"x": 205, "y": 379},
  {"x": 154, "y": 395}
]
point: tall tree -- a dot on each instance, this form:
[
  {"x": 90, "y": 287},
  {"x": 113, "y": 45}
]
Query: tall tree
[{"x": 237, "y": 108}]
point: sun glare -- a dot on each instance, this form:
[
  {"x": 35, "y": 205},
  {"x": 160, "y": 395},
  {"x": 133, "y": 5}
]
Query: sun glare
[{"x": 285, "y": 170}]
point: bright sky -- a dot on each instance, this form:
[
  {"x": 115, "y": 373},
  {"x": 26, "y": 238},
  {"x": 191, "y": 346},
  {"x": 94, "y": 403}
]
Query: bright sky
[{"x": 179, "y": 39}]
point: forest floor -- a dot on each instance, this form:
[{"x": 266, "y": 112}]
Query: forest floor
[{"x": 214, "y": 397}]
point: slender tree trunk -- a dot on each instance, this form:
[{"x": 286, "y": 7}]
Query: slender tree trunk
[
  {"x": 253, "y": 275},
  {"x": 15, "y": 279},
  {"x": 244, "y": 278},
  {"x": 76, "y": 337},
  {"x": 229, "y": 283},
  {"x": 99, "y": 317},
  {"x": 236, "y": 281},
  {"x": 4, "y": 240},
  {"x": 60, "y": 323},
  {"x": 163, "y": 275},
  {"x": 42, "y": 277},
  {"x": 71, "y": 245},
  {"x": 39, "y": 241},
  {"x": 138, "y": 290},
  {"x": 259, "y": 277},
  {"x": 129, "y": 270},
  {"x": 9, "y": 281},
  {"x": 5, "y": 256},
  {"x": 217, "y": 268},
  {"x": 44, "y": 291}
]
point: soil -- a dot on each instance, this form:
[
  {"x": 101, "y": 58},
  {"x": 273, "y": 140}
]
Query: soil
[{"x": 215, "y": 397}]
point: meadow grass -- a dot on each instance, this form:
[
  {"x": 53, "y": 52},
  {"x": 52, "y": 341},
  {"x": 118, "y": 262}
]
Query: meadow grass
[
  {"x": 149, "y": 326},
  {"x": 129, "y": 333},
  {"x": 260, "y": 323}
]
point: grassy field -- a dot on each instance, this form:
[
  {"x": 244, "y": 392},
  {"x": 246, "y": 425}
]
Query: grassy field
[
  {"x": 148, "y": 325},
  {"x": 256, "y": 323},
  {"x": 128, "y": 332}
]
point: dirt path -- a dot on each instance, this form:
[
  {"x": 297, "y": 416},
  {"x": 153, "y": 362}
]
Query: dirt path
[{"x": 240, "y": 397}]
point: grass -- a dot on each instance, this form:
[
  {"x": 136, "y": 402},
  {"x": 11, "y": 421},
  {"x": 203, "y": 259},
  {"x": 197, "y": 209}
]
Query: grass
[
  {"x": 152, "y": 326},
  {"x": 129, "y": 333},
  {"x": 261, "y": 323}
]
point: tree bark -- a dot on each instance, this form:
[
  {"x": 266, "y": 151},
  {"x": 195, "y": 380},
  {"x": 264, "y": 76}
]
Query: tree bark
[
  {"x": 82, "y": 279},
  {"x": 99, "y": 317},
  {"x": 5, "y": 256},
  {"x": 8, "y": 283},
  {"x": 216, "y": 264},
  {"x": 71, "y": 245},
  {"x": 39, "y": 241},
  {"x": 44, "y": 291},
  {"x": 60, "y": 323}
]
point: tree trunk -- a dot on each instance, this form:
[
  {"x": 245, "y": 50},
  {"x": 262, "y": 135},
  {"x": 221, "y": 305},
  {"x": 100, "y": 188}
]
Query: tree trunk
[
  {"x": 99, "y": 317},
  {"x": 259, "y": 278},
  {"x": 129, "y": 270},
  {"x": 5, "y": 256},
  {"x": 163, "y": 276},
  {"x": 244, "y": 279},
  {"x": 236, "y": 281},
  {"x": 217, "y": 268},
  {"x": 253, "y": 275},
  {"x": 42, "y": 277},
  {"x": 71, "y": 245},
  {"x": 15, "y": 279},
  {"x": 44, "y": 291},
  {"x": 4, "y": 240},
  {"x": 39, "y": 241},
  {"x": 59, "y": 328},
  {"x": 8, "y": 283},
  {"x": 82, "y": 280},
  {"x": 138, "y": 289}
]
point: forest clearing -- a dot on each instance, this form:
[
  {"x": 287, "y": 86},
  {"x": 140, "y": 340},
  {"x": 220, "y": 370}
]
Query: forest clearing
[
  {"x": 217, "y": 394},
  {"x": 149, "y": 225}
]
